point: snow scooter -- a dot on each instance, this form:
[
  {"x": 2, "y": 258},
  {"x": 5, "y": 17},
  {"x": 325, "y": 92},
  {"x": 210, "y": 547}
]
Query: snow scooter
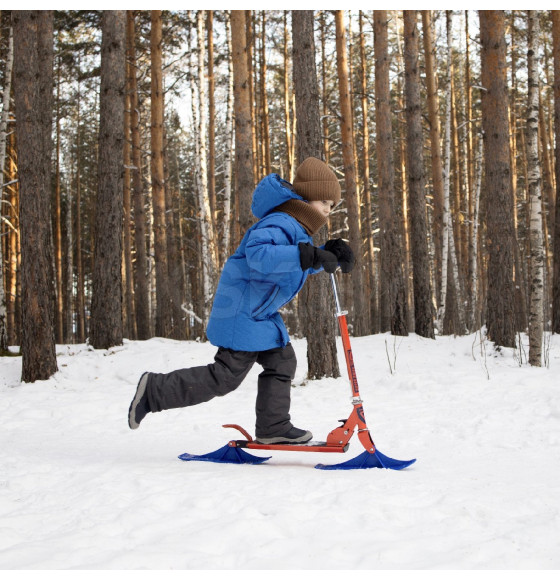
[{"x": 337, "y": 440}]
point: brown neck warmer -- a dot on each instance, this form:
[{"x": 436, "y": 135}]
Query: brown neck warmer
[{"x": 309, "y": 218}]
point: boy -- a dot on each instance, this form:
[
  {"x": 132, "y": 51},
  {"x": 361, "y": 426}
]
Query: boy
[{"x": 266, "y": 271}]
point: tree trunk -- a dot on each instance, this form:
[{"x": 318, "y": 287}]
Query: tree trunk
[
  {"x": 69, "y": 281},
  {"x": 393, "y": 307},
  {"x": 59, "y": 314},
  {"x": 3, "y": 143},
  {"x": 366, "y": 199},
  {"x": 324, "y": 88},
  {"x": 13, "y": 247},
  {"x": 80, "y": 282},
  {"x": 520, "y": 274},
  {"x": 556, "y": 231},
  {"x": 209, "y": 259},
  {"x": 176, "y": 279},
  {"x": 450, "y": 285},
  {"x": 248, "y": 44},
  {"x": 163, "y": 298},
  {"x": 534, "y": 194},
  {"x": 500, "y": 230},
  {"x": 404, "y": 222},
  {"x": 243, "y": 133},
  {"x": 547, "y": 185},
  {"x": 141, "y": 284},
  {"x": 211, "y": 115},
  {"x": 447, "y": 224},
  {"x": 476, "y": 318},
  {"x": 129, "y": 317},
  {"x": 264, "y": 100},
  {"x": 287, "y": 125},
  {"x": 423, "y": 308},
  {"x": 106, "y": 309},
  {"x": 469, "y": 146},
  {"x": 228, "y": 157},
  {"x": 315, "y": 301},
  {"x": 435, "y": 148},
  {"x": 360, "y": 319},
  {"x": 197, "y": 268},
  {"x": 33, "y": 83}
]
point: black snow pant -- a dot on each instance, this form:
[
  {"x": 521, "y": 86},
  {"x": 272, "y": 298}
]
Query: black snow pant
[{"x": 187, "y": 387}]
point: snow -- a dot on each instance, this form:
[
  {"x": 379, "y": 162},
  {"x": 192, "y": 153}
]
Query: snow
[{"x": 80, "y": 490}]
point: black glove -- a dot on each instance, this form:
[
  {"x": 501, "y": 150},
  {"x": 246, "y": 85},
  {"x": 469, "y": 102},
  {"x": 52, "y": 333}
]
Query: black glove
[
  {"x": 312, "y": 257},
  {"x": 343, "y": 253}
]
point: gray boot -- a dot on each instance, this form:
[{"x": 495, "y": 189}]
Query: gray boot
[
  {"x": 140, "y": 406},
  {"x": 294, "y": 435}
]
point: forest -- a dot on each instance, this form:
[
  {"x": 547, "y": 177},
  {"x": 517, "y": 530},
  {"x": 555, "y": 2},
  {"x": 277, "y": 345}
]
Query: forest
[{"x": 131, "y": 143}]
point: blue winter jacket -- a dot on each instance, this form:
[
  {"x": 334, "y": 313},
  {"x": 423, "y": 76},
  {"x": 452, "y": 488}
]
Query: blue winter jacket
[{"x": 261, "y": 276}]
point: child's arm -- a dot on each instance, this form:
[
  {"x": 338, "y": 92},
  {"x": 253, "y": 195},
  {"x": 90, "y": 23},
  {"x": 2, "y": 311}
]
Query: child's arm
[{"x": 270, "y": 251}]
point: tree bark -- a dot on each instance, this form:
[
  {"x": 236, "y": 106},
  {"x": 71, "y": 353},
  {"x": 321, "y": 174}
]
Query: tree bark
[
  {"x": 211, "y": 115},
  {"x": 69, "y": 280},
  {"x": 33, "y": 84},
  {"x": 264, "y": 100},
  {"x": 163, "y": 297},
  {"x": 3, "y": 143},
  {"x": 404, "y": 221},
  {"x": 534, "y": 194},
  {"x": 228, "y": 157},
  {"x": 290, "y": 165},
  {"x": 59, "y": 314},
  {"x": 243, "y": 132},
  {"x": 315, "y": 300},
  {"x": 141, "y": 284},
  {"x": 423, "y": 308},
  {"x": 393, "y": 307},
  {"x": 446, "y": 223},
  {"x": 80, "y": 282},
  {"x": 324, "y": 87},
  {"x": 129, "y": 317},
  {"x": 435, "y": 148},
  {"x": 366, "y": 199},
  {"x": 209, "y": 257},
  {"x": 556, "y": 234},
  {"x": 248, "y": 44},
  {"x": 360, "y": 318},
  {"x": 500, "y": 231},
  {"x": 476, "y": 299},
  {"x": 106, "y": 309}
]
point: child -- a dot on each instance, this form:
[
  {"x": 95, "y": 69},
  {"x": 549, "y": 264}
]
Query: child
[{"x": 267, "y": 270}]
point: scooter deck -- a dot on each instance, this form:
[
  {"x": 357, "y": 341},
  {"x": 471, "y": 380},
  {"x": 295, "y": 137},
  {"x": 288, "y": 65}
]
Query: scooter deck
[{"x": 311, "y": 446}]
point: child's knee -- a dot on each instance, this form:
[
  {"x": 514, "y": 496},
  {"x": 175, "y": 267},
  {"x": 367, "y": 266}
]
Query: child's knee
[{"x": 289, "y": 361}]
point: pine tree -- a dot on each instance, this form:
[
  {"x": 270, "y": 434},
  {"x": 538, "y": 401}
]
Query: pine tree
[
  {"x": 106, "y": 309},
  {"x": 33, "y": 84},
  {"x": 318, "y": 326},
  {"x": 535, "y": 195},
  {"x": 3, "y": 143},
  {"x": 141, "y": 299},
  {"x": 360, "y": 319},
  {"x": 393, "y": 307},
  {"x": 163, "y": 298},
  {"x": 243, "y": 132},
  {"x": 556, "y": 269},
  {"x": 500, "y": 237},
  {"x": 423, "y": 309}
]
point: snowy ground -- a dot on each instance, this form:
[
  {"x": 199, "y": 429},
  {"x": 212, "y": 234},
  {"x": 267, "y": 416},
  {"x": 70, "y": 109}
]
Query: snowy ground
[{"x": 79, "y": 490}]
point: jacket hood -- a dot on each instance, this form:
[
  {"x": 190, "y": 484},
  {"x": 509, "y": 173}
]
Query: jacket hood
[{"x": 271, "y": 192}]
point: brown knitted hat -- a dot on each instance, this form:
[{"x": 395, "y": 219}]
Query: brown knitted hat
[{"x": 315, "y": 181}]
